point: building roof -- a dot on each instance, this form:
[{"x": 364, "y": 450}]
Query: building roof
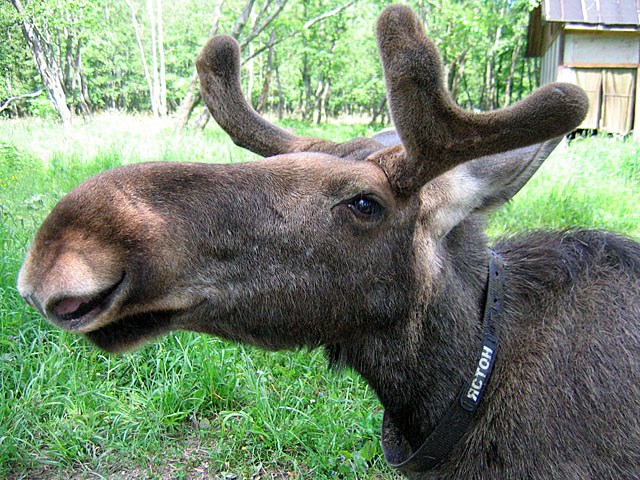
[
  {"x": 593, "y": 12},
  {"x": 548, "y": 19}
]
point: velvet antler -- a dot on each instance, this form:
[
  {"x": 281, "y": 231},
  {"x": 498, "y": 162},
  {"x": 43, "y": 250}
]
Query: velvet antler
[
  {"x": 437, "y": 134},
  {"x": 219, "y": 70}
]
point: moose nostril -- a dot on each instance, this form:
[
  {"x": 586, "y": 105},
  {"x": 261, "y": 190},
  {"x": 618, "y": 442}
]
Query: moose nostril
[
  {"x": 27, "y": 298},
  {"x": 32, "y": 300}
]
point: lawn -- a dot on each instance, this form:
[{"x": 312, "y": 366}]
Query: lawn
[{"x": 191, "y": 406}]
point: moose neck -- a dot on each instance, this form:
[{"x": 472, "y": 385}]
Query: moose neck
[{"x": 417, "y": 367}]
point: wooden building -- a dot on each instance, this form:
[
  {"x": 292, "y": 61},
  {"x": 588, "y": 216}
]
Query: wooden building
[{"x": 594, "y": 44}]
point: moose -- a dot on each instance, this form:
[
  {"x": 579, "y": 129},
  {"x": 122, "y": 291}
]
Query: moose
[{"x": 518, "y": 361}]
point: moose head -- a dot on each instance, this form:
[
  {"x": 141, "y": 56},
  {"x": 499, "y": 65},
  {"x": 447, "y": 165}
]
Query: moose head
[
  {"x": 315, "y": 244},
  {"x": 374, "y": 252}
]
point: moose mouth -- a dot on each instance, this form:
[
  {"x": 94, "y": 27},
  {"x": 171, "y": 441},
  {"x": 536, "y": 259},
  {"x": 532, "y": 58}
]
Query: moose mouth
[
  {"x": 75, "y": 312},
  {"x": 81, "y": 314},
  {"x": 131, "y": 331}
]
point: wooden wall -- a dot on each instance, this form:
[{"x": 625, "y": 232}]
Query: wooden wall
[{"x": 575, "y": 52}]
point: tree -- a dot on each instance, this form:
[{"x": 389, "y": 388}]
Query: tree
[
  {"x": 317, "y": 59},
  {"x": 47, "y": 64},
  {"x": 480, "y": 43},
  {"x": 268, "y": 11},
  {"x": 156, "y": 75},
  {"x": 7, "y": 102},
  {"x": 17, "y": 68}
]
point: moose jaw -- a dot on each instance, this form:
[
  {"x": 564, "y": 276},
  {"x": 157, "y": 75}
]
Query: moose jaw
[{"x": 377, "y": 254}]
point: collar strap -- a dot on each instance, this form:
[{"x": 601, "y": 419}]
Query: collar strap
[{"x": 461, "y": 413}]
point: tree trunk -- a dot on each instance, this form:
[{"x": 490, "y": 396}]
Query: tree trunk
[
  {"x": 48, "y": 68},
  {"x": 85, "y": 100},
  {"x": 162, "y": 93},
  {"x": 68, "y": 62},
  {"x": 512, "y": 72},
  {"x": 378, "y": 111},
  {"x": 456, "y": 72},
  {"x": 322, "y": 100},
  {"x": 264, "y": 95},
  {"x": 189, "y": 102},
  {"x": 242, "y": 19},
  {"x": 203, "y": 118},
  {"x": 79, "y": 83},
  {"x": 489, "y": 81},
  {"x": 155, "y": 89},
  {"x": 315, "y": 104},
  {"x": 306, "y": 79},
  {"x": 250, "y": 75},
  {"x": 466, "y": 90},
  {"x": 281, "y": 104},
  {"x": 136, "y": 28},
  {"x": 262, "y": 20}
]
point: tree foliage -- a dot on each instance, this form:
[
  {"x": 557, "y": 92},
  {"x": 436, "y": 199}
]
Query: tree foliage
[{"x": 314, "y": 58}]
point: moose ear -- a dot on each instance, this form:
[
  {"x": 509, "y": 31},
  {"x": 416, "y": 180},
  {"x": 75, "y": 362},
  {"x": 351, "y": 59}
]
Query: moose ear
[
  {"x": 480, "y": 185},
  {"x": 502, "y": 175}
]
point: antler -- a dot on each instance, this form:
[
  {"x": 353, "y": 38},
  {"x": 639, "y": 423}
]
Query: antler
[
  {"x": 437, "y": 134},
  {"x": 218, "y": 67},
  {"x": 219, "y": 70}
]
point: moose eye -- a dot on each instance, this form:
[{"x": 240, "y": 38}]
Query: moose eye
[{"x": 364, "y": 207}]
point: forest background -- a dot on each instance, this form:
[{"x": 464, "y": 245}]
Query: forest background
[{"x": 310, "y": 58}]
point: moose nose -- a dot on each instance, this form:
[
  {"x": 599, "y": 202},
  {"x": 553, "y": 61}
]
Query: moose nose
[{"x": 32, "y": 299}]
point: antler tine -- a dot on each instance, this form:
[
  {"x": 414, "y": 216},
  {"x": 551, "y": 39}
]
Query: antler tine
[
  {"x": 437, "y": 134},
  {"x": 218, "y": 67},
  {"x": 219, "y": 70}
]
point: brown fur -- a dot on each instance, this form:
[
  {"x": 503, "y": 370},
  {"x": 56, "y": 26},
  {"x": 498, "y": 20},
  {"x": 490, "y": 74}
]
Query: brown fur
[
  {"x": 280, "y": 254},
  {"x": 417, "y": 96}
]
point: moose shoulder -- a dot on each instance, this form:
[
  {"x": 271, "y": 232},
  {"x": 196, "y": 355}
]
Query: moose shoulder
[{"x": 515, "y": 362}]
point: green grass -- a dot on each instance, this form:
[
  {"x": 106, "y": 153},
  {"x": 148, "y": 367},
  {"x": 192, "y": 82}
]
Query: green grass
[
  {"x": 590, "y": 182},
  {"x": 192, "y": 406},
  {"x": 186, "y": 404}
]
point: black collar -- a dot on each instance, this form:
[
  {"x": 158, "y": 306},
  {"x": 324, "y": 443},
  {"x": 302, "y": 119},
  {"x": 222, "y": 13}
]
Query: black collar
[{"x": 460, "y": 414}]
